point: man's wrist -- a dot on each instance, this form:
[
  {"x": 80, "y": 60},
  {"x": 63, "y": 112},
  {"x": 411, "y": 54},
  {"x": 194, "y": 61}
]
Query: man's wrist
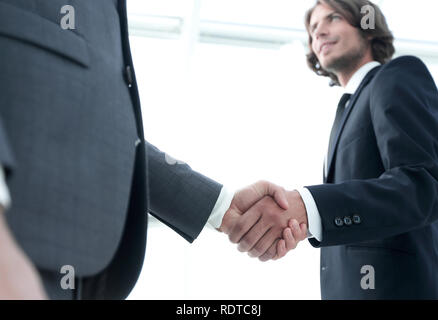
[
  {"x": 295, "y": 200},
  {"x": 221, "y": 207},
  {"x": 314, "y": 228}
]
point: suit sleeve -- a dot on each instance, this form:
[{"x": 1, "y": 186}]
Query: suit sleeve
[
  {"x": 404, "y": 113},
  {"x": 178, "y": 196}
]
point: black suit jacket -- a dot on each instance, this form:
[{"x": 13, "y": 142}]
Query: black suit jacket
[
  {"x": 81, "y": 175},
  {"x": 379, "y": 205}
]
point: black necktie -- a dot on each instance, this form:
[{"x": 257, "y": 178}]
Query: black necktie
[{"x": 338, "y": 119}]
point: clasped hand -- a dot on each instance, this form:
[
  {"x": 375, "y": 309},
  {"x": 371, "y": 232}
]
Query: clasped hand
[{"x": 266, "y": 220}]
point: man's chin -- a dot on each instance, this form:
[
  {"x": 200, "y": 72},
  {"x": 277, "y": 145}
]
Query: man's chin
[
  {"x": 333, "y": 65},
  {"x": 328, "y": 65},
  {"x": 327, "y": 62}
]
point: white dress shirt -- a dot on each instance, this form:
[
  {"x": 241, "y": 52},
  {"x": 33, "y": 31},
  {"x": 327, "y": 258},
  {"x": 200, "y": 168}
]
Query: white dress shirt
[{"x": 222, "y": 204}]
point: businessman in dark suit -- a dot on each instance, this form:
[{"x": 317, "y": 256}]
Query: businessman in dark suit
[
  {"x": 76, "y": 166},
  {"x": 375, "y": 216}
]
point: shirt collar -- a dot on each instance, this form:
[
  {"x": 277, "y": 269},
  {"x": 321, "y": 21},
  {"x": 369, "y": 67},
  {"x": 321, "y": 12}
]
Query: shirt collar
[{"x": 359, "y": 75}]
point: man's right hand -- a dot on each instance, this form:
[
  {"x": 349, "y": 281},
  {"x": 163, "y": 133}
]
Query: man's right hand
[
  {"x": 247, "y": 197},
  {"x": 265, "y": 230},
  {"x": 19, "y": 279}
]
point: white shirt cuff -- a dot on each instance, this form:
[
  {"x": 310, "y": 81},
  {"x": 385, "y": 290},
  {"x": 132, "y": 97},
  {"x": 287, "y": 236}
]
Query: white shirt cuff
[
  {"x": 313, "y": 216},
  {"x": 222, "y": 205},
  {"x": 5, "y": 198}
]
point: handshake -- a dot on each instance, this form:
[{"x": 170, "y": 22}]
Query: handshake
[{"x": 265, "y": 220}]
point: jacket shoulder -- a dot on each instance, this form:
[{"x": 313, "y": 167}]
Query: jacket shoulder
[
  {"x": 402, "y": 69},
  {"x": 403, "y": 65},
  {"x": 405, "y": 60}
]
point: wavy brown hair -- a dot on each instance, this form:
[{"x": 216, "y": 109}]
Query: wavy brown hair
[{"x": 382, "y": 40}]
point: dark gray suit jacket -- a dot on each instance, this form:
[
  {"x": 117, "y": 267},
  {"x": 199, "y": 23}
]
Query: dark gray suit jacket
[{"x": 81, "y": 176}]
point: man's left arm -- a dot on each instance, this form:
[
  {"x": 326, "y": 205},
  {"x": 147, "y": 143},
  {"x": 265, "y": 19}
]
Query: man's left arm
[
  {"x": 185, "y": 200},
  {"x": 180, "y": 197}
]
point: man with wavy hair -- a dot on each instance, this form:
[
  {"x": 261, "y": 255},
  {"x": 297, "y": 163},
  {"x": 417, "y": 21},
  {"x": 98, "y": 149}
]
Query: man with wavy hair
[{"x": 375, "y": 217}]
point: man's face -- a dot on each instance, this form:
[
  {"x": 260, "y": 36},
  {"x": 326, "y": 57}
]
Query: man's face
[{"x": 337, "y": 45}]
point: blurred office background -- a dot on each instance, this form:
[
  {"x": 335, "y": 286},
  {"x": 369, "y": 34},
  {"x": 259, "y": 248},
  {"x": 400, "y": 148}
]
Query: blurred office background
[{"x": 224, "y": 86}]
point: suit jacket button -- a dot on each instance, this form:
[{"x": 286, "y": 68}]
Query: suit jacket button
[
  {"x": 348, "y": 221},
  {"x": 339, "y": 222},
  {"x": 356, "y": 219}
]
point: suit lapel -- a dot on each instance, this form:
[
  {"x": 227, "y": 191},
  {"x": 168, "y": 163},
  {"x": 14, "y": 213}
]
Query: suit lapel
[{"x": 351, "y": 105}]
